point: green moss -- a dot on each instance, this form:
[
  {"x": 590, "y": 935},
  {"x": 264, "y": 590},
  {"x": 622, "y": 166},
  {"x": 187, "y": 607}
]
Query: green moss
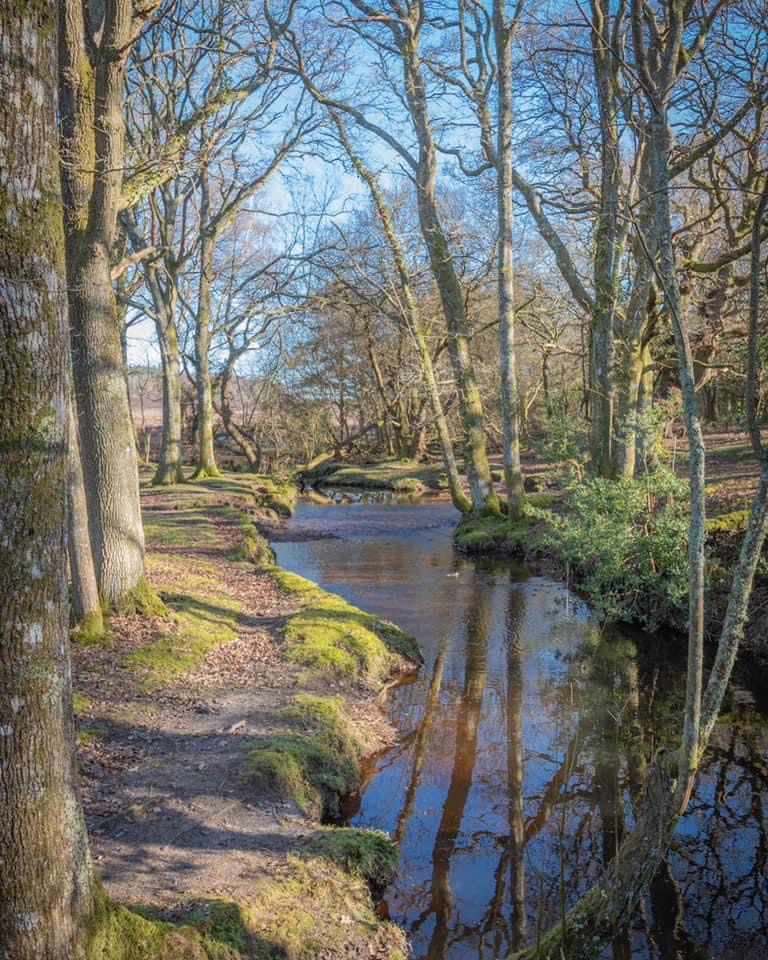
[
  {"x": 404, "y": 476},
  {"x": 178, "y": 526},
  {"x": 478, "y": 533},
  {"x": 91, "y": 629},
  {"x": 80, "y": 703},
  {"x": 142, "y": 599},
  {"x": 407, "y": 485},
  {"x": 116, "y": 933},
  {"x": 277, "y": 495},
  {"x": 315, "y": 760},
  {"x": 256, "y": 550},
  {"x": 196, "y": 625},
  {"x": 309, "y": 908},
  {"x": 329, "y": 636},
  {"x": 89, "y": 734},
  {"x": 369, "y": 854}
]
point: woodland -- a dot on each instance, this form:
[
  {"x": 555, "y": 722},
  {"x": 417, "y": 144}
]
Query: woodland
[{"x": 328, "y": 328}]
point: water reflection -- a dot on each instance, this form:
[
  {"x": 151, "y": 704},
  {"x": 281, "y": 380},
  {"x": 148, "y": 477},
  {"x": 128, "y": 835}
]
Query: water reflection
[{"x": 525, "y": 745}]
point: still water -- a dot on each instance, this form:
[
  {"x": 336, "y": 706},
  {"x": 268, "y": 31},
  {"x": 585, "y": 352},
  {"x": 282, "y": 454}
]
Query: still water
[{"x": 523, "y": 742}]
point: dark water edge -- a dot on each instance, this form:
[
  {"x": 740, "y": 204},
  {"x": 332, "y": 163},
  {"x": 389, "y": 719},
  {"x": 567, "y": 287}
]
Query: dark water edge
[{"x": 523, "y": 743}]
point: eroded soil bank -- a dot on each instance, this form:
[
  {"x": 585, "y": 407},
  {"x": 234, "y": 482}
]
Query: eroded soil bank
[{"x": 216, "y": 732}]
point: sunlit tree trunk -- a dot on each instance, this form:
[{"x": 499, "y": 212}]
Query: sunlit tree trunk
[
  {"x": 45, "y": 880},
  {"x": 86, "y": 605},
  {"x": 481, "y": 487},
  {"x": 169, "y": 468},
  {"x": 165, "y": 304},
  {"x": 510, "y": 400},
  {"x": 91, "y": 128},
  {"x": 414, "y": 323},
  {"x": 206, "y": 458},
  {"x": 608, "y": 247}
]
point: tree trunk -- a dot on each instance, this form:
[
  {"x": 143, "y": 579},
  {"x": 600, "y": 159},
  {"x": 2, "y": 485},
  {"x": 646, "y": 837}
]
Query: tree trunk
[
  {"x": 164, "y": 301},
  {"x": 510, "y": 400},
  {"x": 608, "y": 247},
  {"x": 169, "y": 468},
  {"x": 92, "y": 152},
  {"x": 46, "y": 887},
  {"x": 86, "y": 605},
  {"x": 476, "y": 463},
  {"x": 414, "y": 323},
  {"x": 206, "y": 459},
  {"x": 629, "y": 381}
]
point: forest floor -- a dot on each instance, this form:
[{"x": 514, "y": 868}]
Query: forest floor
[{"x": 171, "y": 708}]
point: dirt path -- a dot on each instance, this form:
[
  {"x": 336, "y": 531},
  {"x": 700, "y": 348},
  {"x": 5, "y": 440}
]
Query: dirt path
[{"x": 162, "y": 752}]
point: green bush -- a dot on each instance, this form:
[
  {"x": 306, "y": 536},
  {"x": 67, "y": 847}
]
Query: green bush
[
  {"x": 627, "y": 540},
  {"x": 562, "y": 441}
]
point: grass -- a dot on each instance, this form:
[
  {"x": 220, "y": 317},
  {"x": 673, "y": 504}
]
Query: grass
[
  {"x": 116, "y": 933},
  {"x": 80, "y": 703},
  {"x": 369, "y": 854},
  {"x": 330, "y": 637},
  {"x": 309, "y": 908},
  {"x": 88, "y": 734},
  {"x": 316, "y": 759}
]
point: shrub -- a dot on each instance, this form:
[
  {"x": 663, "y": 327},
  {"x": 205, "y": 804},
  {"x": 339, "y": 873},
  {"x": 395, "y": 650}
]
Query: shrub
[
  {"x": 627, "y": 539},
  {"x": 561, "y": 442}
]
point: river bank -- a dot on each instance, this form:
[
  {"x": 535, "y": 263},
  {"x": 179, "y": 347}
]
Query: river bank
[{"x": 216, "y": 732}]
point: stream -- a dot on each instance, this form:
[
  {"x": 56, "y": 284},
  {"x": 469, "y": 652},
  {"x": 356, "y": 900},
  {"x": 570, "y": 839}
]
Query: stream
[{"x": 523, "y": 741}]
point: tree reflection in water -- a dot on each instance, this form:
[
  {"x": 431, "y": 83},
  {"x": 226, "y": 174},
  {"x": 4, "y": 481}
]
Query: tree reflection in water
[{"x": 526, "y": 719}]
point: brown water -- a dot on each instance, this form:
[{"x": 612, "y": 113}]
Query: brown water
[{"x": 523, "y": 742}]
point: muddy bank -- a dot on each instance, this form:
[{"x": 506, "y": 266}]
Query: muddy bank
[{"x": 217, "y": 733}]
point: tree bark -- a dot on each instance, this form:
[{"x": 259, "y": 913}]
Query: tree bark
[
  {"x": 481, "y": 487},
  {"x": 91, "y": 170},
  {"x": 510, "y": 400},
  {"x": 46, "y": 890},
  {"x": 86, "y": 605},
  {"x": 206, "y": 458},
  {"x": 169, "y": 468},
  {"x": 164, "y": 301}
]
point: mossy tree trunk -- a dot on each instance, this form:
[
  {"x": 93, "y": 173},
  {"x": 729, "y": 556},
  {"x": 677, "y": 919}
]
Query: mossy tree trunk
[
  {"x": 46, "y": 891},
  {"x": 206, "y": 457},
  {"x": 413, "y": 320},
  {"x": 161, "y": 278},
  {"x": 91, "y": 68},
  {"x": 169, "y": 467},
  {"x": 86, "y": 605},
  {"x": 482, "y": 492},
  {"x": 510, "y": 400}
]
